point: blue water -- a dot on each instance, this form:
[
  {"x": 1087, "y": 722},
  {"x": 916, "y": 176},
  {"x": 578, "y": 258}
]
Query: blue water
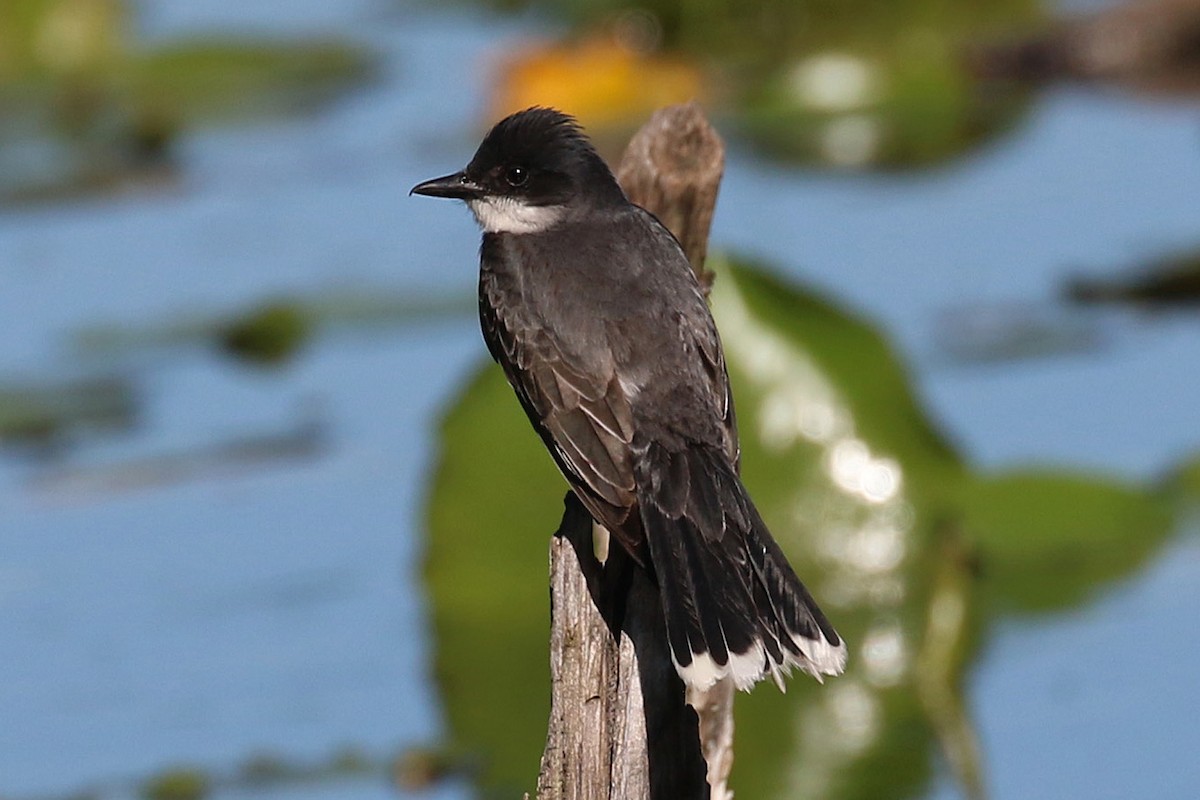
[{"x": 279, "y": 610}]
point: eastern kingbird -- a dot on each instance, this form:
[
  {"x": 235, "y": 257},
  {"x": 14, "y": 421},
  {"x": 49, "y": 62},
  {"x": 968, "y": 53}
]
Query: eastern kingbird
[{"x": 590, "y": 306}]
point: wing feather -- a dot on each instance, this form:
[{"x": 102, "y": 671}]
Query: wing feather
[{"x": 585, "y": 419}]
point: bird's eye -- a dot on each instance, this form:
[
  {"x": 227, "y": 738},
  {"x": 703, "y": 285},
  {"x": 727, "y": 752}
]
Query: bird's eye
[{"x": 516, "y": 176}]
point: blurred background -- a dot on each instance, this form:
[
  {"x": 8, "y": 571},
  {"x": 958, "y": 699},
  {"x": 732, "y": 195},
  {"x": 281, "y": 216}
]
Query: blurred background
[{"x": 271, "y": 525}]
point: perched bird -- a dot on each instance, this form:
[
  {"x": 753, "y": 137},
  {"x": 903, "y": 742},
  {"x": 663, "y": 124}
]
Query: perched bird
[{"x": 591, "y": 308}]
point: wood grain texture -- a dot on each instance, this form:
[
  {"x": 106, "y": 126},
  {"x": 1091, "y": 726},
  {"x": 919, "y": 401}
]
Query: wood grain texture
[{"x": 672, "y": 168}]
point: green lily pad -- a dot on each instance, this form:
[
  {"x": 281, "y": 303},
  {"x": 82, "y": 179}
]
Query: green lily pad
[
  {"x": 1182, "y": 482},
  {"x": 490, "y": 517},
  {"x": 868, "y": 107},
  {"x": 844, "y": 466},
  {"x": 219, "y": 79},
  {"x": 1050, "y": 541}
]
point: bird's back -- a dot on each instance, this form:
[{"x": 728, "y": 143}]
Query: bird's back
[{"x": 614, "y": 293}]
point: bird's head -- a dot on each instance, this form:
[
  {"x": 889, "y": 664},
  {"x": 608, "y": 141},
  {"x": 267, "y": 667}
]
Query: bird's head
[{"x": 532, "y": 170}]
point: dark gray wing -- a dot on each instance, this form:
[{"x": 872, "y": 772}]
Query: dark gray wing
[
  {"x": 584, "y": 419},
  {"x": 708, "y": 344},
  {"x": 599, "y": 339},
  {"x": 699, "y": 334}
]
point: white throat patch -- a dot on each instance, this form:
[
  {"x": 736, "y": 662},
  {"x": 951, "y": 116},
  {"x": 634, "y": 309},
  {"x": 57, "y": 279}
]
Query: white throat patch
[{"x": 509, "y": 215}]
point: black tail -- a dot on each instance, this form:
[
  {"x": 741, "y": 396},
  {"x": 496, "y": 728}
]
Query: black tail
[{"x": 733, "y": 605}]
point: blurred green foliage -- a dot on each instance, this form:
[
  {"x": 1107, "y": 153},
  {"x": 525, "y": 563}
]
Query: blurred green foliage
[
  {"x": 83, "y": 108},
  {"x": 183, "y": 783},
  {"x": 885, "y": 108},
  {"x": 43, "y": 39},
  {"x": 854, "y": 84},
  {"x": 44, "y": 415},
  {"x": 270, "y": 334},
  {"x": 207, "y": 80},
  {"x": 1173, "y": 280},
  {"x": 1183, "y": 483},
  {"x": 496, "y": 496},
  {"x": 1101, "y": 529},
  {"x": 766, "y": 30},
  {"x": 912, "y": 553}
]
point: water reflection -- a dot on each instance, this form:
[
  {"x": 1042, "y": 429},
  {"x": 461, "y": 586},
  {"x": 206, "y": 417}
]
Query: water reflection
[
  {"x": 994, "y": 333},
  {"x": 843, "y": 85},
  {"x": 305, "y": 440}
]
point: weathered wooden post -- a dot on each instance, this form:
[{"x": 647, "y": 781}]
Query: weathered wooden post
[{"x": 621, "y": 727}]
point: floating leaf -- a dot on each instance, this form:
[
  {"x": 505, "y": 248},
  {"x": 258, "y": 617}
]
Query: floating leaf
[
  {"x": 42, "y": 39},
  {"x": 1049, "y": 541},
  {"x": 272, "y": 331},
  {"x": 496, "y": 498},
  {"x": 44, "y": 415},
  {"x": 270, "y": 335},
  {"x": 182, "y": 783},
  {"x": 876, "y": 105},
  {"x": 205, "y": 80}
]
